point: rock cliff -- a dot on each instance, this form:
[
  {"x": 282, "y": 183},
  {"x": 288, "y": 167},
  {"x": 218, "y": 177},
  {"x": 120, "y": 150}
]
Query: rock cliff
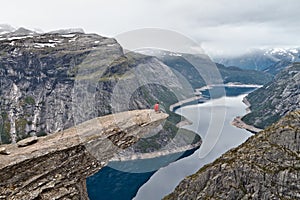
[
  {"x": 56, "y": 166},
  {"x": 266, "y": 166},
  {"x": 53, "y": 81},
  {"x": 275, "y": 99}
]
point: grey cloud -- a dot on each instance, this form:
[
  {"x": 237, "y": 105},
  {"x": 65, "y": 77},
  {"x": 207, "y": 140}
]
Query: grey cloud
[{"x": 221, "y": 25}]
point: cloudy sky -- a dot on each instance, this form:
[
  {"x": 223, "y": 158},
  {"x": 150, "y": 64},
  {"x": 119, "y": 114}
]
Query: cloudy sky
[{"x": 228, "y": 26}]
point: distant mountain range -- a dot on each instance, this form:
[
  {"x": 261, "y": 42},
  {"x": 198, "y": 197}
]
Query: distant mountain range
[
  {"x": 269, "y": 60},
  {"x": 179, "y": 63},
  {"x": 7, "y": 31}
]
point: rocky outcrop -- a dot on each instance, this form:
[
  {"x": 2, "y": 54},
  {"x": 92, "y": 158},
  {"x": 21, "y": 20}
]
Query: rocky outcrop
[
  {"x": 27, "y": 141},
  {"x": 53, "y": 81},
  {"x": 44, "y": 78},
  {"x": 275, "y": 99},
  {"x": 56, "y": 166},
  {"x": 266, "y": 166}
]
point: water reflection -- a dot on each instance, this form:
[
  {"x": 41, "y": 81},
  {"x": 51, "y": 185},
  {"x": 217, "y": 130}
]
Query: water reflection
[{"x": 166, "y": 179}]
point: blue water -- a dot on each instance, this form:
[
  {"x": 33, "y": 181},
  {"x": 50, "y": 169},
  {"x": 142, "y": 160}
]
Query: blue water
[
  {"x": 119, "y": 180},
  {"x": 230, "y": 91},
  {"x": 115, "y": 182},
  {"x": 212, "y": 121},
  {"x": 218, "y": 92}
]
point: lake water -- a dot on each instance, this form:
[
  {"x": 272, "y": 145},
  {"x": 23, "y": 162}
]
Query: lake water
[{"x": 211, "y": 120}]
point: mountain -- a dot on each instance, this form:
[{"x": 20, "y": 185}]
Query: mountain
[
  {"x": 53, "y": 81},
  {"x": 5, "y": 28},
  {"x": 244, "y": 76},
  {"x": 266, "y": 166},
  {"x": 179, "y": 63},
  {"x": 262, "y": 59},
  {"x": 275, "y": 99},
  {"x": 67, "y": 31}
]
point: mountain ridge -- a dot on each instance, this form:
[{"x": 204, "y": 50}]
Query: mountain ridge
[
  {"x": 262, "y": 59},
  {"x": 275, "y": 99}
]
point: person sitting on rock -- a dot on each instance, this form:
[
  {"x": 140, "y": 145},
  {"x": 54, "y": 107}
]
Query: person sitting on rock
[{"x": 156, "y": 107}]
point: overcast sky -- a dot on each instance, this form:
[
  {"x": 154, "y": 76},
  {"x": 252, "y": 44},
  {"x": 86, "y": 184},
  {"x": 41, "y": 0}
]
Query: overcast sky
[{"x": 219, "y": 25}]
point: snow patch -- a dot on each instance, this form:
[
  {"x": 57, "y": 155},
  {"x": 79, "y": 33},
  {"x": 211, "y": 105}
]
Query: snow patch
[
  {"x": 175, "y": 54},
  {"x": 294, "y": 51},
  {"x": 73, "y": 39},
  {"x": 96, "y": 42},
  {"x": 4, "y": 32},
  {"x": 68, "y": 35},
  {"x": 41, "y": 45},
  {"x": 110, "y": 45},
  {"x": 55, "y": 41},
  {"x": 19, "y": 37}
]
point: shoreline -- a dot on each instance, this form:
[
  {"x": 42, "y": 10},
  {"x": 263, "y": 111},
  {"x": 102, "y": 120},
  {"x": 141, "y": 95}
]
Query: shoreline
[
  {"x": 142, "y": 156},
  {"x": 198, "y": 93},
  {"x": 237, "y": 121},
  {"x": 184, "y": 123}
]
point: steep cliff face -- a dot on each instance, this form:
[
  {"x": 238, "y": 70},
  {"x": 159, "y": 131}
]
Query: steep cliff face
[
  {"x": 50, "y": 82},
  {"x": 269, "y": 103},
  {"x": 57, "y": 165},
  {"x": 266, "y": 166},
  {"x": 38, "y": 75}
]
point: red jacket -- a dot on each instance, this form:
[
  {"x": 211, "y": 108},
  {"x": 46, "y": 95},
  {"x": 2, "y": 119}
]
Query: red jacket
[{"x": 156, "y": 107}]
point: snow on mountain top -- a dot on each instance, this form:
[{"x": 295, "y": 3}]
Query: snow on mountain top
[
  {"x": 68, "y": 35},
  {"x": 294, "y": 51},
  {"x": 277, "y": 50},
  {"x": 68, "y": 31},
  {"x": 175, "y": 54}
]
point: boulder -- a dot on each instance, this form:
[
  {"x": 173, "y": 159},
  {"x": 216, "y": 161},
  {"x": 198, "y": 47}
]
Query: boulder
[
  {"x": 4, "y": 151},
  {"x": 27, "y": 141}
]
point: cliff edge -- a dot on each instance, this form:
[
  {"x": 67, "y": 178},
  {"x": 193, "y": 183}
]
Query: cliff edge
[{"x": 56, "y": 166}]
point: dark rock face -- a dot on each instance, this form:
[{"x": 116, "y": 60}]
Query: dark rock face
[
  {"x": 266, "y": 166},
  {"x": 37, "y": 84},
  {"x": 50, "y": 82},
  {"x": 277, "y": 98},
  {"x": 57, "y": 165}
]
